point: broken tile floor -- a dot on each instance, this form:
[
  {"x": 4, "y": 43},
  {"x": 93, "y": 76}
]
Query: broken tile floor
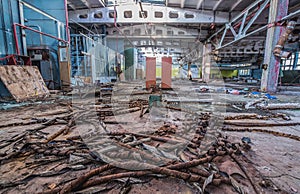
[{"x": 113, "y": 139}]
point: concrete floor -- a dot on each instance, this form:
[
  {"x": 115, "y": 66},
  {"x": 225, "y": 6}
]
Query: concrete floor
[{"x": 276, "y": 158}]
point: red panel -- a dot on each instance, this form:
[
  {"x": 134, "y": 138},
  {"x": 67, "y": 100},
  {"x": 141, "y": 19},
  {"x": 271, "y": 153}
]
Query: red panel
[
  {"x": 166, "y": 78},
  {"x": 150, "y": 72}
]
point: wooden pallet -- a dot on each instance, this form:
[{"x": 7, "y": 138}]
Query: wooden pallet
[{"x": 23, "y": 82}]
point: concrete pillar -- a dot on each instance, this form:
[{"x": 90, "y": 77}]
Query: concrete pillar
[
  {"x": 129, "y": 63},
  {"x": 206, "y": 62},
  {"x": 150, "y": 72},
  {"x": 166, "y": 78},
  {"x": 269, "y": 80}
]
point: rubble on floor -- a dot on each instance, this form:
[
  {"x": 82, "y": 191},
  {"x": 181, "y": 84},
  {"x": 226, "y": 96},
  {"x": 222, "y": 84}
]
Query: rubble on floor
[{"x": 112, "y": 139}]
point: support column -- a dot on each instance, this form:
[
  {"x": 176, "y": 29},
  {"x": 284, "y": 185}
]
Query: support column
[
  {"x": 150, "y": 72},
  {"x": 166, "y": 78},
  {"x": 206, "y": 62},
  {"x": 269, "y": 80},
  {"x": 129, "y": 64}
]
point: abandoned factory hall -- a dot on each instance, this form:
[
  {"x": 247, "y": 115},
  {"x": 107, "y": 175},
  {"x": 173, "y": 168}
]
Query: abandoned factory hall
[{"x": 150, "y": 96}]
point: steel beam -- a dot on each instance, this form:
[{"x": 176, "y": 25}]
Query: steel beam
[
  {"x": 241, "y": 24},
  {"x": 199, "y": 4},
  {"x": 200, "y": 16},
  {"x": 269, "y": 80},
  {"x": 86, "y": 3},
  {"x": 182, "y": 3},
  {"x": 102, "y": 3},
  {"x": 71, "y": 5},
  {"x": 235, "y": 5},
  {"x": 291, "y": 15},
  {"x": 165, "y": 31},
  {"x": 217, "y": 5}
]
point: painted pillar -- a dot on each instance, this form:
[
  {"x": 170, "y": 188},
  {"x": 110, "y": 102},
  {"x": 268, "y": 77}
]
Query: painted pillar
[
  {"x": 269, "y": 80},
  {"x": 296, "y": 60},
  {"x": 150, "y": 72},
  {"x": 206, "y": 62},
  {"x": 129, "y": 63},
  {"x": 166, "y": 78}
]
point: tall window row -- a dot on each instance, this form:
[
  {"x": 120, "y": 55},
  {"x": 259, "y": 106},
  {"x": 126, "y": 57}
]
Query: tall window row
[{"x": 292, "y": 63}]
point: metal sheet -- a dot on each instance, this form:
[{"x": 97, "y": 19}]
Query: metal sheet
[{"x": 203, "y": 16}]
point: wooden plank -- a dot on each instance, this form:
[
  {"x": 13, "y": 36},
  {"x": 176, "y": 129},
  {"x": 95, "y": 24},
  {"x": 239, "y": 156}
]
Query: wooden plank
[{"x": 23, "y": 82}]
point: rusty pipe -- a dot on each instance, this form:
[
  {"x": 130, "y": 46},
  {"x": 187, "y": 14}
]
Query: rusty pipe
[
  {"x": 26, "y": 27},
  {"x": 278, "y": 52}
]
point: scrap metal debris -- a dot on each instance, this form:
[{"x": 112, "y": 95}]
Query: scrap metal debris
[{"x": 45, "y": 150}]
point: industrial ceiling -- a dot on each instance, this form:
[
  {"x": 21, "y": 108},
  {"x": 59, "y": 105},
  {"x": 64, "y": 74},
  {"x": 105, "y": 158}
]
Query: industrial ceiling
[{"x": 179, "y": 24}]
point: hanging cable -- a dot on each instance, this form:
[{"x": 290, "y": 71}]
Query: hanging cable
[
  {"x": 116, "y": 26},
  {"x": 152, "y": 40}
]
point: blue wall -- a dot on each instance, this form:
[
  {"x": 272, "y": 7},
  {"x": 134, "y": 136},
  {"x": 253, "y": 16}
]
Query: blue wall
[
  {"x": 9, "y": 14},
  {"x": 256, "y": 73},
  {"x": 35, "y": 20},
  {"x": 32, "y": 18}
]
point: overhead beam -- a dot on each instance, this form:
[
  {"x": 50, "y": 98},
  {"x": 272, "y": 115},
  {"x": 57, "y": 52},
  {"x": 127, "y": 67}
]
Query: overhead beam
[
  {"x": 199, "y": 4},
  {"x": 235, "y": 5},
  {"x": 182, "y": 3},
  {"x": 86, "y": 3},
  {"x": 71, "y": 5},
  {"x": 156, "y": 37},
  {"x": 242, "y": 30},
  {"x": 200, "y": 16},
  {"x": 217, "y": 5},
  {"x": 102, "y": 3}
]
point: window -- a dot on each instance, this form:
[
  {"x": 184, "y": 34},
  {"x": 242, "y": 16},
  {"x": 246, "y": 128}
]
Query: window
[
  {"x": 173, "y": 15},
  {"x": 127, "y": 32},
  {"x": 143, "y": 14},
  {"x": 169, "y": 32},
  {"x": 98, "y": 15},
  {"x": 137, "y": 32},
  {"x": 158, "y": 14},
  {"x": 297, "y": 65},
  {"x": 288, "y": 64},
  {"x": 83, "y": 16},
  {"x": 111, "y": 14},
  {"x": 127, "y": 14},
  {"x": 159, "y": 32},
  {"x": 189, "y": 15},
  {"x": 245, "y": 72}
]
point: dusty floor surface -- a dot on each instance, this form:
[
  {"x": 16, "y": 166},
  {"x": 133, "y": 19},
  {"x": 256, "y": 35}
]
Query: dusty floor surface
[{"x": 53, "y": 146}]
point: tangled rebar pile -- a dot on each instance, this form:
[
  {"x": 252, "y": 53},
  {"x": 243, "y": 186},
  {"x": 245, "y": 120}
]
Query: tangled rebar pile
[{"x": 79, "y": 146}]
